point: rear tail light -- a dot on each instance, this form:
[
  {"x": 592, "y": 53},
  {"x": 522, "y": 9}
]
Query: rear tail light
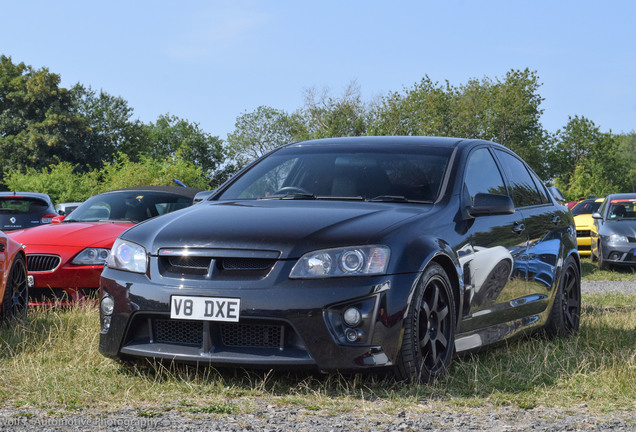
[{"x": 47, "y": 218}]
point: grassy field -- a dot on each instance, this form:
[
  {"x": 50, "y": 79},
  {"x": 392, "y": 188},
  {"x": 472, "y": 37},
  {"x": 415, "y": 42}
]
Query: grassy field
[
  {"x": 590, "y": 271},
  {"x": 51, "y": 362}
]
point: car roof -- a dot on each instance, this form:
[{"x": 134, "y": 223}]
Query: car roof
[
  {"x": 176, "y": 190},
  {"x": 622, "y": 196},
  {"x": 39, "y": 195},
  {"x": 387, "y": 140}
]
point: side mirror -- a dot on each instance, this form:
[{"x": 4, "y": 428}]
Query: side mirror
[
  {"x": 596, "y": 215},
  {"x": 58, "y": 219},
  {"x": 61, "y": 212},
  {"x": 491, "y": 204}
]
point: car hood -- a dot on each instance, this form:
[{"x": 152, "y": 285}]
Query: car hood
[
  {"x": 621, "y": 227},
  {"x": 290, "y": 227},
  {"x": 80, "y": 234},
  {"x": 583, "y": 221}
]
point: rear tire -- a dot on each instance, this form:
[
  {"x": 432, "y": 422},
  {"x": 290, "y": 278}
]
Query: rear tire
[
  {"x": 565, "y": 315},
  {"x": 16, "y": 294},
  {"x": 428, "y": 343}
]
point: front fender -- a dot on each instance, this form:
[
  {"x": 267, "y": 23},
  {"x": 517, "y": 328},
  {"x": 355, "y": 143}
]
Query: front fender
[{"x": 420, "y": 252}]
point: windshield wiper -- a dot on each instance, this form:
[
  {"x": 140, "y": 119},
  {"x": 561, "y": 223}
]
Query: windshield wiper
[
  {"x": 291, "y": 196},
  {"x": 396, "y": 198}
]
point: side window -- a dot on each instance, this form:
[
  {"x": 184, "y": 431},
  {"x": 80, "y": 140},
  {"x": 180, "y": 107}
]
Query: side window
[
  {"x": 523, "y": 190},
  {"x": 543, "y": 194},
  {"x": 482, "y": 174}
]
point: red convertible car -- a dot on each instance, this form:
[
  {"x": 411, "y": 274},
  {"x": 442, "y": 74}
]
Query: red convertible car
[
  {"x": 66, "y": 258},
  {"x": 14, "y": 290}
]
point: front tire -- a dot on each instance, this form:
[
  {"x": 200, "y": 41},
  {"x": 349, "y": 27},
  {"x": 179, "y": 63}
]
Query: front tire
[
  {"x": 565, "y": 315},
  {"x": 602, "y": 264},
  {"x": 16, "y": 294},
  {"x": 428, "y": 343}
]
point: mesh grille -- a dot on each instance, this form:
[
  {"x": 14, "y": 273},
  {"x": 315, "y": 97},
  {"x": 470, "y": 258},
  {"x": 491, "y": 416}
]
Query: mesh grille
[
  {"x": 251, "y": 335},
  {"x": 178, "y": 332},
  {"x": 247, "y": 263},
  {"x": 583, "y": 233},
  {"x": 188, "y": 264},
  {"x": 42, "y": 263}
]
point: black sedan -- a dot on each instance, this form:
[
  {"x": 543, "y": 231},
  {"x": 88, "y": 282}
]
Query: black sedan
[
  {"x": 348, "y": 253},
  {"x": 613, "y": 235}
]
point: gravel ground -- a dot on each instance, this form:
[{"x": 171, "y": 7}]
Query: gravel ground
[
  {"x": 626, "y": 287},
  {"x": 265, "y": 417}
]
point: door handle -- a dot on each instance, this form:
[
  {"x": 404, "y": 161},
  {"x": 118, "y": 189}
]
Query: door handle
[{"x": 518, "y": 228}]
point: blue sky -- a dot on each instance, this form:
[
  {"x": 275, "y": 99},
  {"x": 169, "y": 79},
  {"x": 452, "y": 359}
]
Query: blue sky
[{"x": 210, "y": 61}]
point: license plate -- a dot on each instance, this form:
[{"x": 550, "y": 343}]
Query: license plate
[{"x": 205, "y": 308}]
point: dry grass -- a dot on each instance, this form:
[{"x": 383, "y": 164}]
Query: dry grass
[{"x": 51, "y": 362}]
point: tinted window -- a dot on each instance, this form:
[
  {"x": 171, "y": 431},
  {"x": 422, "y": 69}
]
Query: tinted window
[
  {"x": 482, "y": 174},
  {"x": 543, "y": 193},
  {"x": 523, "y": 190},
  {"x": 22, "y": 205},
  {"x": 586, "y": 207},
  {"x": 133, "y": 206},
  {"x": 332, "y": 172}
]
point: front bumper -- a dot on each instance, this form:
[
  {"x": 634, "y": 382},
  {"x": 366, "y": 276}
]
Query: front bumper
[
  {"x": 619, "y": 253},
  {"x": 282, "y": 322},
  {"x": 65, "y": 285}
]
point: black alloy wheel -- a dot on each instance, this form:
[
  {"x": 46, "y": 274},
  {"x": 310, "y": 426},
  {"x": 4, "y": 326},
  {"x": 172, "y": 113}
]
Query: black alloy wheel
[
  {"x": 566, "y": 311},
  {"x": 428, "y": 344},
  {"x": 16, "y": 293}
]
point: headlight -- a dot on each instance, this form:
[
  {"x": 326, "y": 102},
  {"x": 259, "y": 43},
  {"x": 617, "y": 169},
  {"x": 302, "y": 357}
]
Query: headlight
[
  {"x": 127, "y": 256},
  {"x": 349, "y": 261},
  {"x": 91, "y": 256},
  {"x": 617, "y": 238}
]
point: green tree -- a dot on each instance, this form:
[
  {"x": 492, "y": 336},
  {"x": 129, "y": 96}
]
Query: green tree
[
  {"x": 258, "y": 132},
  {"x": 627, "y": 153},
  {"x": 505, "y": 111},
  {"x": 326, "y": 116},
  {"x": 110, "y": 130},
  {"x": 587, "y": 160},
  {"x": 37, "y": 123},
  {"x": 172, "y": 137},
  {"x": 64, "y": 182}
]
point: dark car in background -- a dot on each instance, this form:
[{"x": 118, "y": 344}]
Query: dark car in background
[
  {"x": 613, "y": 234},
  {"x": 65, "y": 258},
  {"x": 349, "y": 253},
  {"x": 20, "y": 210}
]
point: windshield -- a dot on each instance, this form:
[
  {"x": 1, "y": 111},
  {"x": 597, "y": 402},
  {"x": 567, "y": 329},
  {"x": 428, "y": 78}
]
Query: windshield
[
  {"x": 133, "y": 206},
  {"x": 586, "y": 207},
  {"x": 391, "y": 173},
  {"x": 22, "y": 205},
  {"x": 621, "y": 209}
]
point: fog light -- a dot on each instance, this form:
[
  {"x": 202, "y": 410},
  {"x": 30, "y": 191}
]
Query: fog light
[
  {"x": 353, "y": 335},
  {"x": 105, "y": 323},
  {"x": 107, "y": 305},
  {"x": 352, "y": 317}
]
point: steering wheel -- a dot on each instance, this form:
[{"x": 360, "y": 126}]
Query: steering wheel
[{"x": 290, "y": 190}]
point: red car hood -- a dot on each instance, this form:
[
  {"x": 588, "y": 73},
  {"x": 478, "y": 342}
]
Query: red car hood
[{"x": 81, "y": 234}]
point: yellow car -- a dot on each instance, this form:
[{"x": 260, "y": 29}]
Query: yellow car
[{"x": 582, "y": 213}]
